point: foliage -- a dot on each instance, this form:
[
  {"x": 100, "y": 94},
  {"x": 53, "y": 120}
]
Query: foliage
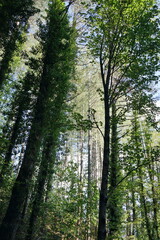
[{"x": 63, "y": 120}]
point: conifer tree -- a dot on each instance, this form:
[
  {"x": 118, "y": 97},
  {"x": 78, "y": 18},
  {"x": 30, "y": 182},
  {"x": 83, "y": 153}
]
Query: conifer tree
[
  {"x": 57, "y": 58},
  {"x": 23, "y": 102},
  {"x": 13, "y": 23}
]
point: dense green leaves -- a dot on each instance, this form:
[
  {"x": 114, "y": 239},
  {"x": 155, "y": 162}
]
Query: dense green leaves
[{"x": 74, "y": 133}]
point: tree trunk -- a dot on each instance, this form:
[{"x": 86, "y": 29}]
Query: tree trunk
[
  {"x": 113, "y": 203},
  {"x": 143, "y": 202},
  {"x": 138, "y": 141},
  {"x": 106, "y": 149},
  {"x": 105, "y": 175},
  {"x": 89, "y": 189},
  {"x": 42, "y": 176},
  {"x": 155, "y": 202},
  {"x": 80, "y": 188},
  {"x": 133, "y": 208},
  {"x": 128, "y": 227}
]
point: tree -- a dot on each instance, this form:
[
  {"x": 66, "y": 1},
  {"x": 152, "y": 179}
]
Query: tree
[
  {"x": 52, "y": 130},
  {"x": 23, "y": 102},
  {"x": 57, "y": 55},
  {"x": 114, "y": 206},
  {"x": 124, "y": 36},
  {"x": 141, "y": 188},
  {"x": 13, "y": 23},
  {"x": 137, "y": 141}
]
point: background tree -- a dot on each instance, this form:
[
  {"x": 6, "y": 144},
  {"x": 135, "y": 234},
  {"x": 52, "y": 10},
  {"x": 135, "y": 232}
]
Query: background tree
[
  {"x": 137, "y": 147},
  {"x": 14, "y": 22}
]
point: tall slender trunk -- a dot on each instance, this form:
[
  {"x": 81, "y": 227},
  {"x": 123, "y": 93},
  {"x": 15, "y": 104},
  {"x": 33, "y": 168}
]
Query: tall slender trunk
[
  {"x": 133, "y": 208},
  {"x": 140, "y": 174},
  {"x": 128, "y": 226},
  {"x": 42, "y": 176},
  {"x": 155, "y": 202},
  {"x": 105, "y": 174},
  {"x": 48, "y": 189},
  {"x": 113, "y": 204},
  {"x": 106, "y": 148},
  {"x": 151, "y": 169},
  {"x": 80, "y": 188},
  {"x": 81, "y": 157},
  {"x": 89, "y": 188},
  {"x": 143, "y": 203}
]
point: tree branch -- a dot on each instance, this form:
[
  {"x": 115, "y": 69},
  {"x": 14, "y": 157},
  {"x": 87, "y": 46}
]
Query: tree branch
[
  {"x": 128, "y": 174},
  {"x": 101, "y": 62}
]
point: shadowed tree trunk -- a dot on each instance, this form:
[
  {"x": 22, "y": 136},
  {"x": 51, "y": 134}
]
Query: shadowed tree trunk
[
  {"x": 24, "y": 100},
  {"x": 133, "y": 207},
  {"x": 106, "y": 151},
  {"x": 41, "y": 181},
  {"x": 155, "y": 202},
  {"x": 113, "y": 206}
]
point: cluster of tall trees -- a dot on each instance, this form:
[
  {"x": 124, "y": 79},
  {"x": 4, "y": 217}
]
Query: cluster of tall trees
[{"x": 79, "y": 148}]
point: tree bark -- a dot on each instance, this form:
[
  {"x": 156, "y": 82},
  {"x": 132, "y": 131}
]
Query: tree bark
[
  {"x": 140, "y": 174},
  {"x": 113, "y": 204},
  {"x": 143, "y": 202},
  {"x": 105, "y": 175},
  {"x": 155, "y": 202},
  {"x": 89, "y": 188},
  {"x": 42, "y": 176},
  {"x": 106, "y": 150},
  {"x": 133, "y": 208}
]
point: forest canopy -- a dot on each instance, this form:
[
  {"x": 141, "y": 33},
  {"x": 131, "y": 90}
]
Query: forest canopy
[{"x": 79, "y": 120}]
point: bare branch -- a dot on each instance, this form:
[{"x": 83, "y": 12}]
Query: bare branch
[{"x": 97, "y": 126}]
